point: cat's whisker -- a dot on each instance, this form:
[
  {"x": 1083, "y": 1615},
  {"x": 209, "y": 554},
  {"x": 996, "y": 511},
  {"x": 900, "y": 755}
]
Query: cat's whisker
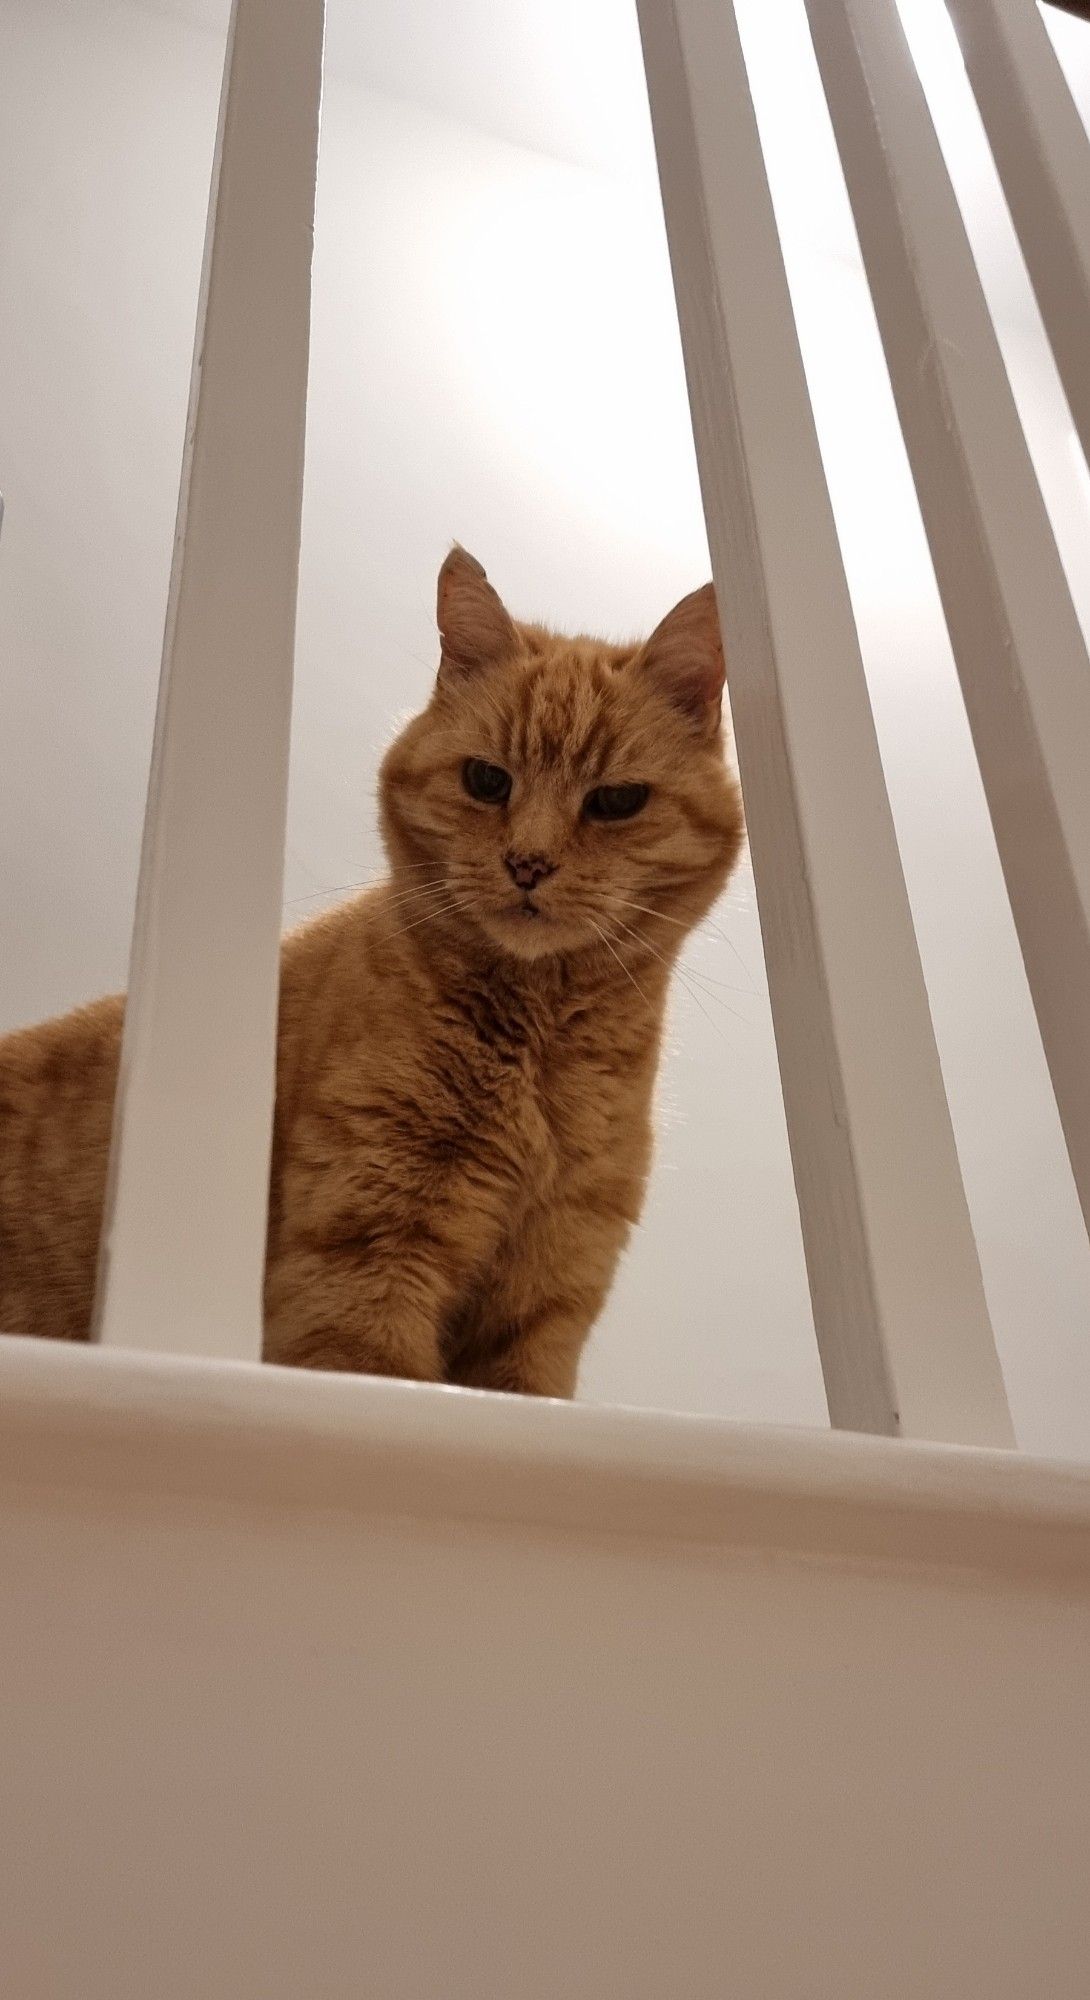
[
  {"x": 682, "y": 972},
  {"x": 447, "y": 910},
  {"x": 383, "y": 873},
  {"x": 670, "y": 964},
  {"x": 724, "y": 985},
  {"x": 340, "y": 889},
  {"x": 691, "y": 990},
  {"x": 628, "y": 904},
  {"x": 754, "y": 987},
  {"x": 705, "y": 924},
  {"x": 365, "y": 882},
  {"x": 707, "y": 978},
  {"x": 412, "y": 895},
  {"x": 628, "y": 973},
  {"x": 711, "y": 929},
  {"x": 429, "y": 889}
]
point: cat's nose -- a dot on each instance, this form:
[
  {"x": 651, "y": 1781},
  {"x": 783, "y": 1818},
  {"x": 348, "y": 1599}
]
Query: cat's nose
[{"x": 527, "y": 870}]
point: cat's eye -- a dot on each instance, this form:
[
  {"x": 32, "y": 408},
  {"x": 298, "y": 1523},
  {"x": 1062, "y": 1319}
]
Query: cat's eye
[
  {"x": 489, "y": 784},
  {"x": 616, "y": 801}
]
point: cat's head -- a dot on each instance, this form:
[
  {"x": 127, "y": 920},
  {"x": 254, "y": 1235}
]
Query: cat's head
[{"x": 558, "y": 790}]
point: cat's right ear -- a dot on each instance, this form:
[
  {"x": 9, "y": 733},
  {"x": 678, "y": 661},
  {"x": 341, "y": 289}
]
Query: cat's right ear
[{"x": 474, "y": 625}]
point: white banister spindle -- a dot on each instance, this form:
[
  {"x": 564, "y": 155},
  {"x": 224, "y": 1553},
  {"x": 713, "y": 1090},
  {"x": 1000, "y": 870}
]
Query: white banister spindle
[
  {"x": 1043, "y": 156},
  {"x": 1020, "y": 653},
  {"x": 905, "y": 1340},
  {"x": 184, "y": 1234}
]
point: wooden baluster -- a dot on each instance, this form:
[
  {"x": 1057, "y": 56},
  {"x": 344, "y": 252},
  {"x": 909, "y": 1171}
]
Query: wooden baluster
[
  {"x": 1043, "y": 156},
  {"x": 1020, "y": 653},
  {"x": 905, "y": 1339},
  {"x": 184, "y": 1233}
]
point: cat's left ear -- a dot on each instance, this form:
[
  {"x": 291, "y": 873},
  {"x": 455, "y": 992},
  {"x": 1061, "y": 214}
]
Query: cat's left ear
[{"x": 684, "y": 658}]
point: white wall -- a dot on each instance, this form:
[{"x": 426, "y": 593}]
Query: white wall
[{"x": 495, "y": 357}]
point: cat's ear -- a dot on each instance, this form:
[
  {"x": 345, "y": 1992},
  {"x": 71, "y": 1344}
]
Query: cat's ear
[
  {"x": 474, "y": 626},
  {"x": 684, "y": 659}
]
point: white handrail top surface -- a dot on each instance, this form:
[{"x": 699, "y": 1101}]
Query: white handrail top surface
[{"x": 241, "y": 1432}]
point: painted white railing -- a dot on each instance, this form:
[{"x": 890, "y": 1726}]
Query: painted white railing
[
  {"x": 902, "y": 1324},
  {"x": 183, "y": 1242}
]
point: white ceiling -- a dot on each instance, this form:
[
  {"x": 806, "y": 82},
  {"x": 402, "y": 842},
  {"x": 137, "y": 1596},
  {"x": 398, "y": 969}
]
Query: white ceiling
[
  {"x": 564, "y": 78},
  {"x": 531, "y": 73}
]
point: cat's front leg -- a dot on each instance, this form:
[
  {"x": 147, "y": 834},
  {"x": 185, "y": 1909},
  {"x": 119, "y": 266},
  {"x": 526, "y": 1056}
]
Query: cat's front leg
[
  {"x": 538, "y": 1359},
  {"x": 546, "y": 1293},
  {"x": 369, "y": 1308},
  {"x": 379, "y": 1223}
]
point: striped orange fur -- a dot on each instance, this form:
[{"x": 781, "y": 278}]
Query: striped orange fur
[{"x": 467, "y": 1052}]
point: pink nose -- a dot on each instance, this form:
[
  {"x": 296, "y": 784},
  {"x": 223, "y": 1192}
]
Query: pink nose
[{"x": 527, "y": 870}]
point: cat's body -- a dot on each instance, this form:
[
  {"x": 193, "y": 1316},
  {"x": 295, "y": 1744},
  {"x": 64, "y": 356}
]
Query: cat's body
[
  {"x": 466, "y": 1054},
  {"x": 498, "y": 1156}
]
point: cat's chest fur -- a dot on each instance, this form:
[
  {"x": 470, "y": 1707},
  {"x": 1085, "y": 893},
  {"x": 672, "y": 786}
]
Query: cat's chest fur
[
  {"x": 560, "y": 1155},
  {"x": 550, "y": 1092},
  {"x": 486, "y": 1130}
]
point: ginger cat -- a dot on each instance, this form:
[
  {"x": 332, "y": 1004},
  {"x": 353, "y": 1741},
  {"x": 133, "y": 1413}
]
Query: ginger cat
[{"x": 466, "y": 1053}]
